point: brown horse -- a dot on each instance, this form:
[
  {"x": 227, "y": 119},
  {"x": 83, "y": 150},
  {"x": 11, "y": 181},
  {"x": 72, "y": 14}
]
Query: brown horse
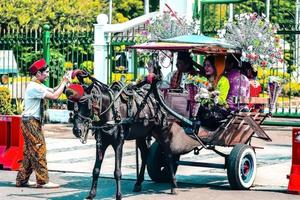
[{"x": 115, "y": 114}]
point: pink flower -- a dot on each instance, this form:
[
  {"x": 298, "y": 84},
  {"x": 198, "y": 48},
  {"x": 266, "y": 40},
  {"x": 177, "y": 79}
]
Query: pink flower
[
  {"x": 144, "y": 32},
  {"x": 264, "y": 63}
]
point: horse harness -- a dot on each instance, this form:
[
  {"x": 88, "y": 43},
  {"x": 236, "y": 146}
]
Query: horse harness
[{"x": 126, "y": 94}]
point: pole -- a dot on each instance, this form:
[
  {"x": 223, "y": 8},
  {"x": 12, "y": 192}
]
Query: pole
[
  {"x": 146, "y": 7},
  {"x": 297, "y": 24},
  {"x": 46, "y": 46},
  {"x": 268, "y": 10},
  {"x": 231, "y": 12},
  {"x": 110, "y": 11}
]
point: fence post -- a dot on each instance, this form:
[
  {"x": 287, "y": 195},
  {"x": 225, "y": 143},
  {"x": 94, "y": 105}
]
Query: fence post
[
  {"x": 46, "y": 45},
  {"x": 100, "y": 63}
]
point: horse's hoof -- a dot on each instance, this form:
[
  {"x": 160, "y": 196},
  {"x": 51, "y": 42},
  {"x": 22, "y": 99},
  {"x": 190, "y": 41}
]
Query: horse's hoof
[
  {"x": 118, "y": 197},
  {"x": 174, "y": 191},
  {"x": 137, "y": 188},
  {"x": 89, "y": 197}
]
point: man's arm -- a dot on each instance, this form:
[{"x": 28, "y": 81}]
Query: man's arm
[
  {"x": 55, "y": 95},
  {"x": 58, "y": 90}
]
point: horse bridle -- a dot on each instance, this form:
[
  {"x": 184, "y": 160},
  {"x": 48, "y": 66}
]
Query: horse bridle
[{"x": 90, "y": 99}]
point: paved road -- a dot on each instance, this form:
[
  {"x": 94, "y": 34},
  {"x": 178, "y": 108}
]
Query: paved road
[{"x": 70, "y": 164}]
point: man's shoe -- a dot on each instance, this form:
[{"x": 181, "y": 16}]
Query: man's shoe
[
  {"x": 48, "y": 185},
  {"x": 28, "y": 184}
]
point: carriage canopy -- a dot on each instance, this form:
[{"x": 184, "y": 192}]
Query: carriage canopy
[{"x": 194, "y": 43}]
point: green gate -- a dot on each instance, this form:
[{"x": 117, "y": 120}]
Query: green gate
[
  {"x": 281, "y": 11},
  {"x": 124, "y": 65}
]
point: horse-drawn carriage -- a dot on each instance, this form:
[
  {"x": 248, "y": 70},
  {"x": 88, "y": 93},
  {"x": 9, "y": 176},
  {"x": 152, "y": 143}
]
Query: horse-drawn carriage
[
  {"x": 123, "y": 112},
  {"x": 235, "y": 131}
]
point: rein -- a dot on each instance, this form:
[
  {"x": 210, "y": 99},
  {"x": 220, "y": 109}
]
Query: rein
[{"x": 99, "y": 96}]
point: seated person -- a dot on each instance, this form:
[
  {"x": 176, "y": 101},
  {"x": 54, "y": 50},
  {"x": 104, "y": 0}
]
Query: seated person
[
  {"x": 185, "y": 66},
  {"x": 255, "y": 87},
  {"x": 218, "y": 81},
  {"x": 239, "y": 85},
  {"x": 211, "y": 115}
]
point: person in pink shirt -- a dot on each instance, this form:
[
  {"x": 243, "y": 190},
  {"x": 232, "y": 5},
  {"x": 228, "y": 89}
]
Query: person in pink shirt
[{"x": 239, "y": 90}]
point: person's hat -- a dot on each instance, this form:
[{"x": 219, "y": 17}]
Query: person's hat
[
  {"x": 37, "y": 65},
  {"x": 74, "y": 92}
]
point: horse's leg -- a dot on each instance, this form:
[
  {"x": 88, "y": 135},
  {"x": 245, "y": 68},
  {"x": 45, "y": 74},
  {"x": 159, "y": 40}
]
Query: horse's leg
[
  {"x": 169, "y": 160},
  {"x": 118, "y": 147},
  {"x": 100, "y": 151},
  {"x": 141, "y": 143}
]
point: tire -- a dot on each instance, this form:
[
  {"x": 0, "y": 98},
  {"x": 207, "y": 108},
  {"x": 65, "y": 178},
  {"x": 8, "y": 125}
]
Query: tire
[
  {"x": 241, "y": 167},
  {"x": 156, "y": 164}
]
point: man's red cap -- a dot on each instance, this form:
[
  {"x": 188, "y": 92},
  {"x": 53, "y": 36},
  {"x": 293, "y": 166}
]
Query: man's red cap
[
  {"x": 74, "y": 92},
  {"x": 37, "y": 65}
]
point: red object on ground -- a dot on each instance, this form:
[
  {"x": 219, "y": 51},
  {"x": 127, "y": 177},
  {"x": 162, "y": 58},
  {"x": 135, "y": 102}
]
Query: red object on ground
[
  {"x": 294, "y": 182},
  {"x": 5, "y": 129},
  {"x": 12, "y": 155}
]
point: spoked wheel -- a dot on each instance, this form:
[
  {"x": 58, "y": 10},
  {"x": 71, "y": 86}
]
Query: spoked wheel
[
  {"x": 156, "y": 164},
  {"x": 241, "y": 167}
]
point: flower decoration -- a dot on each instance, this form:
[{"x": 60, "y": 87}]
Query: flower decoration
[
  {"x": 205, "y": 97},
  {"x": 274, "y": 89},
  {"x": 168, "y": 25},
  {"x": 199, "y": 81},
  {"x": 256, "y": 37}
]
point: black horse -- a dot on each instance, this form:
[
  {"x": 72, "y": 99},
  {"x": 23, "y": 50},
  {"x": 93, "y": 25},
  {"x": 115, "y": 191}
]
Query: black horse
[{"x": 115, "y": 114}]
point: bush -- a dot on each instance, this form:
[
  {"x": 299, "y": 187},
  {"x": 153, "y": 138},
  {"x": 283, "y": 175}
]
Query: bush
[
  {"x": 292, "y": 89},
  {"x": 88, "y": 66},
  {"x": 5, "y": 101}
]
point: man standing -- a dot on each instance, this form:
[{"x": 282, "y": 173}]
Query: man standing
[{"x": 34, "y": 141}]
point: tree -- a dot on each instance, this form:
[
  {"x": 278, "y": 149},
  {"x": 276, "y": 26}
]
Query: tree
[
  {"x": 68, "y": 14},
  {"x": 282, "y": 12},
  {"x": 125, "y": 10}
]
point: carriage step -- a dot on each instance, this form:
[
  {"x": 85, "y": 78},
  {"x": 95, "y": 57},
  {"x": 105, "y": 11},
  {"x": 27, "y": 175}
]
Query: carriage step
[{"x": 201, "y": 164}]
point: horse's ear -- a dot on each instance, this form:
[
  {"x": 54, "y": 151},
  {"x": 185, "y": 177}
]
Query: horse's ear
[
  {"x": 76, "y": 73},
  {"x": 80, "y": 74}
]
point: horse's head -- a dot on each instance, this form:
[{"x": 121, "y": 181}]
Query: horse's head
[
  {"x": 84, "y": 102},
  {"x": 81, "y": 117}
]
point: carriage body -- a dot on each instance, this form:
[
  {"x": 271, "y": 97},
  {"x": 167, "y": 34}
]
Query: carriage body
[{"x": 236, "y": 131}]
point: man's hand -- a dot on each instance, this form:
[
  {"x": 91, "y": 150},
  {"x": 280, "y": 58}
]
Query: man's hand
[{"x": 67, "y": 77}]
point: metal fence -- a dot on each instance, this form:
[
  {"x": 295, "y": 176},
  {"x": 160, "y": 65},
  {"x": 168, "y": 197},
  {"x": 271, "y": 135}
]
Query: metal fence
[
  {"x": 16, "y": 51},
  {"x": 124, "y": 65},
  {"x": 288, "y": 103},
  {"x": 63, "y": 51}
]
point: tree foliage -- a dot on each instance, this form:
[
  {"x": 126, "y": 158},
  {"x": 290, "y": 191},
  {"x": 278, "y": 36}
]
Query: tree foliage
[
  {"x": 125, "y": 10},
  {"x": 67, "y": 14},
  {"x": 58, "y": 13},
  {"x": 282, "y": 12}
]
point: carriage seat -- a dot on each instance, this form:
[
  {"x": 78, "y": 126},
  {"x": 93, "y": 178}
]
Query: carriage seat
[{"x": 177, "y": 100}]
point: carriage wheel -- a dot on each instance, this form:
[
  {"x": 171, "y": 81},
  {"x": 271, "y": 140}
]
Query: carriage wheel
[
  {"x": 156, "y": 164},
  {"x": 241, "y": 167}
]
